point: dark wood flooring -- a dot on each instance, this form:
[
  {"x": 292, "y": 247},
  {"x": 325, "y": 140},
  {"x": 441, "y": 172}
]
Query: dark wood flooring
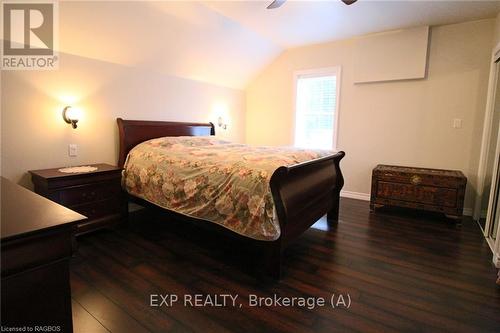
[{"x": 404, "y": 271}]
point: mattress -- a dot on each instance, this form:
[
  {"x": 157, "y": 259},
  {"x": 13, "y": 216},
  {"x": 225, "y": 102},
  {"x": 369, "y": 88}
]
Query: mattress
[{"x": 213, "y": 180}]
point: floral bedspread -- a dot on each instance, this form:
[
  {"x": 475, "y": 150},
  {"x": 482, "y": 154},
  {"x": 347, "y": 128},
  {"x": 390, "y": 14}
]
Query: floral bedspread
[{"x": 211, "y": 179}]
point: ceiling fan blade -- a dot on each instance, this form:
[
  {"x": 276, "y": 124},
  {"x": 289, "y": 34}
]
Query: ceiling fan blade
[
  {"x": 348, "y": 2},
  {"x": 276, "y": 4}
]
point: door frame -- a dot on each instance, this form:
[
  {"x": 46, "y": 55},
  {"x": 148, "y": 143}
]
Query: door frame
[{"x": 493, "y": 81}]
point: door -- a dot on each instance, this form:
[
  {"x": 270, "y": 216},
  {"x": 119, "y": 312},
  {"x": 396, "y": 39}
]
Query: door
[{"x": 490, "y": 206}]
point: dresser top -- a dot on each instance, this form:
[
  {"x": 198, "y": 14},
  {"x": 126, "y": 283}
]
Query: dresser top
[
  {"x": 55, "y": 173},
  {"x": 420, "y": 171},
  {"x": 24, "y": 212}
]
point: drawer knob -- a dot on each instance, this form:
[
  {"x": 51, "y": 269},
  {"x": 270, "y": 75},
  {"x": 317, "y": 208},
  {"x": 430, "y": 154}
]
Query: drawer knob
[{"x": 415, "y": 180}]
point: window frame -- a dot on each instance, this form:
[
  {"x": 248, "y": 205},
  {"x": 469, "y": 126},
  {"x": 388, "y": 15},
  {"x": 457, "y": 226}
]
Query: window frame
[{"x": 318, "y": 72}]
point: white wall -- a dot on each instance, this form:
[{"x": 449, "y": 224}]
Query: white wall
[
  {"x": 403, "y": 122},
  {"x": 34, "y": 135}
]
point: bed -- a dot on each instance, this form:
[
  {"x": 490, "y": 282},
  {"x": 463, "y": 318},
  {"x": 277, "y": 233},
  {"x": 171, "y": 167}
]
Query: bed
[{"x": 301, "y": 192}]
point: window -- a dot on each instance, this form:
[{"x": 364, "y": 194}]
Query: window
[{"x": 316, "y": 108}]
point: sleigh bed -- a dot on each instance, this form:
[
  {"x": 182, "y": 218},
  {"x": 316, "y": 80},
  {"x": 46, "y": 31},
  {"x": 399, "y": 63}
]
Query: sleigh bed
[{"x": 301, "y": 193}]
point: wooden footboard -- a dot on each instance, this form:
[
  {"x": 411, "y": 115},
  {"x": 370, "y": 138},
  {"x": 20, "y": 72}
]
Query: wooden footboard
[{"x": 302, "y": 194}]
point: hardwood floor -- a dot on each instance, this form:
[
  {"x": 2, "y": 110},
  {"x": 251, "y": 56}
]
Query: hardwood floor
[{"x": 403, "y": 271}]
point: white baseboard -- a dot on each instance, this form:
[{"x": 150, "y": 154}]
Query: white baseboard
[
  {"x": 496, "y": 260},
  {"x": 355, "y": 195},
  {"x": 467, "y": 211},
  {"x": 366, "y": 197}
]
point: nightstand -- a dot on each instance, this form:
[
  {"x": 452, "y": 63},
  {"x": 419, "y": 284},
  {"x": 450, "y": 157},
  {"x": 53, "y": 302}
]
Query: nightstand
[{"x": 96, "y": 194}]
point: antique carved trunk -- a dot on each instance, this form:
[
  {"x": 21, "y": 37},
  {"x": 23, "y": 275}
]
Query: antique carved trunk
[{"x": 420, "y": 188}]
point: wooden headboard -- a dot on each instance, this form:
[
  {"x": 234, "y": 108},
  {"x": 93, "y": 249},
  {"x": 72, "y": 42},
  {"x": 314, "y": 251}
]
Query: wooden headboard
[{"x": 133, "y": 132}]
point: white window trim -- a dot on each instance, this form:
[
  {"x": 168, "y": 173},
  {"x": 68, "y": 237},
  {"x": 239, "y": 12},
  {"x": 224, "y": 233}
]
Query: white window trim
[{"x": 325, "y": 71}]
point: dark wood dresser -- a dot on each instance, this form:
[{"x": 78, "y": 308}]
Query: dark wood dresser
[
  {"x": 36, "y": 248},
  {"x": 427, "y": 189},
  {"x": 96, "y": 194}
]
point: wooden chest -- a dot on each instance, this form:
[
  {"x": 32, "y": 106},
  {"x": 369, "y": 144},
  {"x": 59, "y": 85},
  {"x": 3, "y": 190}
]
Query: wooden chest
[{"x": 427, "y": 189}]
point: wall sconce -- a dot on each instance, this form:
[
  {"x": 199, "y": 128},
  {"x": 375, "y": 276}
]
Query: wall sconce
[
  {"x": 71, "y": 115},
  {"x": 221, "y": 123}
]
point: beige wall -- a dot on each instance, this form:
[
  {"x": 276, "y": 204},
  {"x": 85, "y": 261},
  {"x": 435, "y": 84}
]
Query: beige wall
[
  {"x": 33, "y": 134},
  {"x": 404, "y": 122},
  {"x": 496, "y": 38}
]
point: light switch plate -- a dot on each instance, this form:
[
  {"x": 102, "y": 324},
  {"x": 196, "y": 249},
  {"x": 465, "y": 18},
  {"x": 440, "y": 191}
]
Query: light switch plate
[
  {"x": 72, "y": 150},
  {"x": 457, "y": 123}
]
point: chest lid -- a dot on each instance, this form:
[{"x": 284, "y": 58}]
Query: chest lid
[{"x": 420, "y": 176}]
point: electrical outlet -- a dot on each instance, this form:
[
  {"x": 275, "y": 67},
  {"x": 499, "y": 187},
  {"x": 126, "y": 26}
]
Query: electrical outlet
[
  {"x": 457, "y": 123},
  {"x": 72, "y": 150}
]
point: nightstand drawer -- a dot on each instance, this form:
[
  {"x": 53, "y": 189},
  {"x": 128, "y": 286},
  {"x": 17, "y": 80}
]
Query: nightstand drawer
[
  {"x": 89, "y": 193},
  {"x": 99, "y": 208},
  {"x": 96, "y": 194}
]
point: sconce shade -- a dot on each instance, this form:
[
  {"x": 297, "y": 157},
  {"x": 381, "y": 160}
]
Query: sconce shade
[{"x": 71, "y": 116}]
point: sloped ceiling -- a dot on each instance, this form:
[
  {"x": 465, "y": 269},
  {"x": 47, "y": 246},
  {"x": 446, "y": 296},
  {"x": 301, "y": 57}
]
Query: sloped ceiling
[
  {"x": 228, "y": 42},
  {"x": 185, "y": 39}
]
